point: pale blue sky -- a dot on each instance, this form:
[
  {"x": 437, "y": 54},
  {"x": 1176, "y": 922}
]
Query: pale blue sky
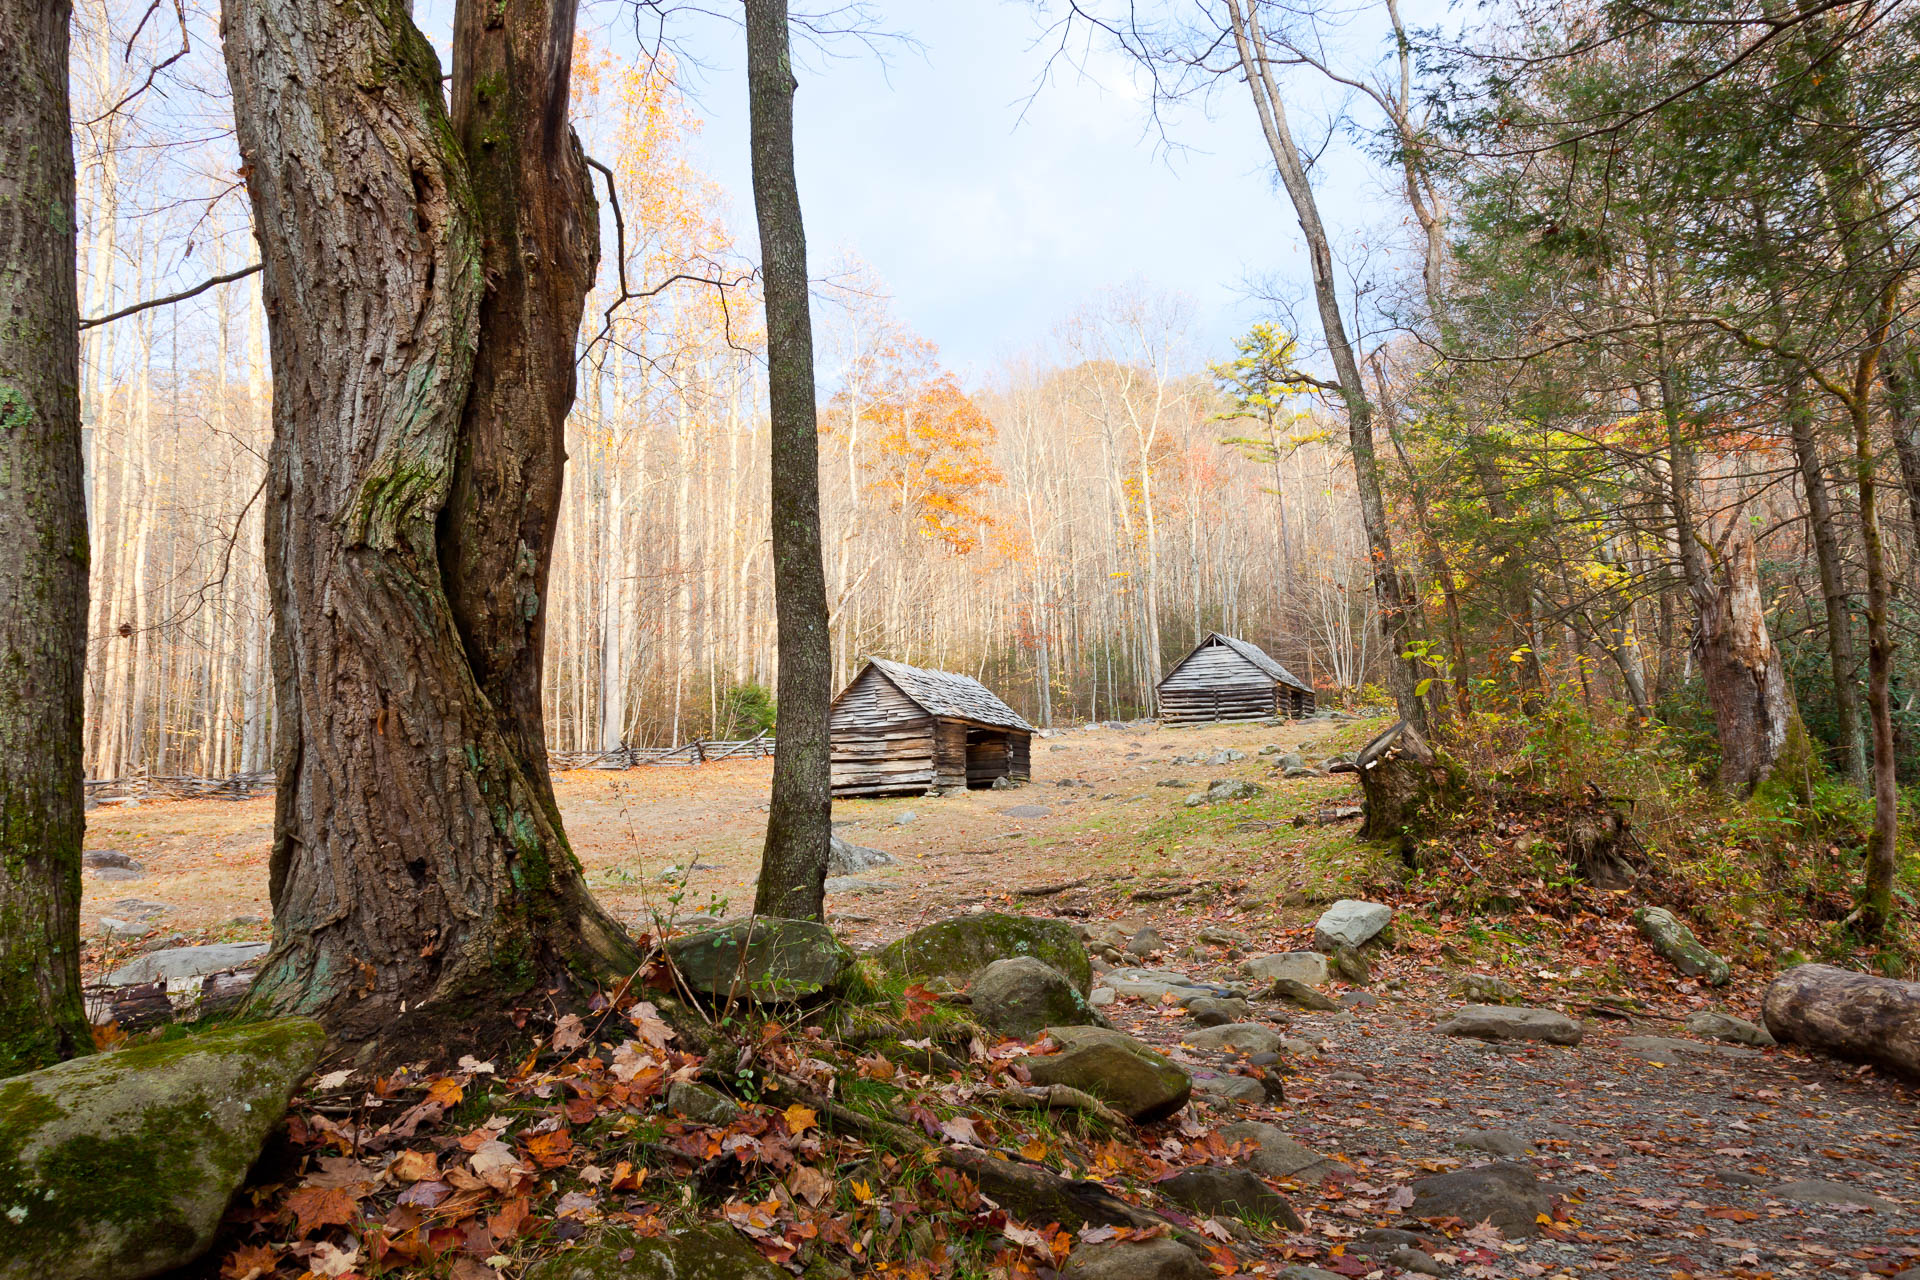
[{"x": 989, "y": 228}]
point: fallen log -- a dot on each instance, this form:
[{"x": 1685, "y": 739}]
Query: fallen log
[
  {"x": 1850, "y": 1015},
  {"x": 1048, "y": 890}
]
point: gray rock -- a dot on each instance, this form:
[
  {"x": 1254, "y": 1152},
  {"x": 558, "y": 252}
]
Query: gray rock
[
  {"x": 1724, "y": 1026},
  {"x": 765, "y": 959},
  {"x": 1356, "y": 1000},
  {"x": 1227, "y": 1087},
  {"x": 959, "y": 948},
  {"x": 1499, "y": 1022},
  {"x": 1672, "y": 1048},
  {"x": 1291, "y": 760},
  {"x": 905, "y": 816},
  {"x": 1350, "y": 922},
  {"x": 1299, "y": 1271},
  {"x": 1236, "y": 1037},
  {"x": 1217, "y": 936},
  {"x": 116, "y": 928},
  {"x": 855, "y": 884},
  {"x": 1162, "y": 1259},
  {"x": 1216, "y": 1191},
  {"x": 1392, "y": 1237},
  {"x": 179, "y": 964},
  {"x": 691, "y": 1100},
  {"x": 139, "y": 908},
  {"x": 1508, "y": 1195},
  {"x": 100, "y": 859},
  {"x": 1675, "y": 943},
  {"x": 1022, "y": 996},
  {"x": 1309, "y": 967},
  {"x": 1145, "y": 942},
  {"x": 1408, "y": 1258},
  {"x": 1820, "y": 1191},
  {"x": 1101, "y": 997},
  {"x": 1233, "y": 789},
  {"x": 1134, "y": 1079},
  {"x": 1299, "y": 771},
  {"x": 1228, "y": 756},
  {"x": 120, "y": 1165},
  {"x": 1002, "y": 783},
  {"x": 1496, "y": 1142},
  {"x": 1276, "y": 1155},
  {"x": 1300, "y": 995},
  {"x": 1155, "y": 985},
  {"x": 1484, "y": 988},
  {"x": 1351, "y": 964},
  {"x": 119, "y": 873},
  {"x": 1213, "y": 1011},
  {"x": 704, "y": 1253},
  {"x": 845, "y": 858},
  {"x": 1172, "y": 782},
  {"x": 1027, "y": 811}
]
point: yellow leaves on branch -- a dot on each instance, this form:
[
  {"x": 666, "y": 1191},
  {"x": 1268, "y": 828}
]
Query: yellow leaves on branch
[{"x": 927, "y": 444}]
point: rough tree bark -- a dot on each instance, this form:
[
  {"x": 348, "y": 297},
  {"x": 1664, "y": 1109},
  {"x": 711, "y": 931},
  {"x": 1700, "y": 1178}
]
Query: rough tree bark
[
  {"x": 423, "y": 282},
  {"x": 1398, "y": 606},
  {"x": 1740, "y": 667},
  {"x": 43, "y": 550},
  {"x": 793, "y": 864}
]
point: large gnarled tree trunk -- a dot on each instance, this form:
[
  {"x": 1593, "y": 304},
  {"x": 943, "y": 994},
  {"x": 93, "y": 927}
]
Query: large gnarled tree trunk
[
  {"x": 424, "y": 284},
  {"x": 793, "y": 865},
  {"x": 43, "y": 550}
]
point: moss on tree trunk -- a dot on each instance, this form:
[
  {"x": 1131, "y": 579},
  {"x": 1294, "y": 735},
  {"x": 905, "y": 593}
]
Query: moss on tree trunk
[
  {"x": 423, "y": 301},
  {"x": 43, "y": 551}
]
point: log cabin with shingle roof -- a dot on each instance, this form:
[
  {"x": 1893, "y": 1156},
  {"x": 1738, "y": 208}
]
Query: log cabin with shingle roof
[
  {"x": 1226, "y": 678},
  {"x": 904, "y": 731}
]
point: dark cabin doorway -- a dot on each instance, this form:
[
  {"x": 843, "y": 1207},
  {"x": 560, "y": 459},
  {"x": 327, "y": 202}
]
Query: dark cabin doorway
[{"x": 989, "y": 756}]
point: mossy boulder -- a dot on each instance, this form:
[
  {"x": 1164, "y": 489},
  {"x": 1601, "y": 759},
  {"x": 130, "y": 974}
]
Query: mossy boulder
[
  {"x": 766, "y": 959},
  {"x": 1023, "y": 996},
  {"x": 121, "y": 1164},
  {"x": 958, "y": 949},
  {"x": 1134, "y": 1079},
  {"x": 709, "y": 1253}
]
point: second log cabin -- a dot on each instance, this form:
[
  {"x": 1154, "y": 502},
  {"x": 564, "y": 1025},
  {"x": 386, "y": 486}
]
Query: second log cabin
[
  {"x": 904, "y": 731},
  {"x": 1226, "y": 678}
]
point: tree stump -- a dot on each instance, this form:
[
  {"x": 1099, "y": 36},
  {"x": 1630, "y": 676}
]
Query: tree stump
[
  {"x": 1851, "y": 1015},
  {"x": 1598, "y": 837},
  {"x": 1408, "y": 787}
]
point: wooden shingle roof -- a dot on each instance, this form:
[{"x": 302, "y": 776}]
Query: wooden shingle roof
[
  {"x": 1252, "y": 653},
  {"x": 942, "y": 693}
]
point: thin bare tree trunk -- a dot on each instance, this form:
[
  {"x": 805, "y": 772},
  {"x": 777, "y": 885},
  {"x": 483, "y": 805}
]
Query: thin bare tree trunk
[
  {"x": 793, "y": 865},
  {"x": 1397, "y": 606}
]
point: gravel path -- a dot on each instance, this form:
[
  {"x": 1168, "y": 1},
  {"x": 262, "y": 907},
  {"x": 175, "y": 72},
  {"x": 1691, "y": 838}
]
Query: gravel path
[{"x": 1670, "y": 1161}]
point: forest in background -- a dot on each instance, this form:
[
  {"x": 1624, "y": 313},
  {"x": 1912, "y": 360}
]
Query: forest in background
[
  {"x": 1633, "y": 384},
  {"x": 1034, "y": 531}
]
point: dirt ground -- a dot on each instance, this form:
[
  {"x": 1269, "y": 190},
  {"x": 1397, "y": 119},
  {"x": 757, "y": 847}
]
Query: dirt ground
[
  {"x": 204, "y": 862},
  {"x": 1668, "y": 1162}
]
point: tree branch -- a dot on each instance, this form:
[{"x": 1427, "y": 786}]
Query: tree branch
[{"x": 170, "y": 298}]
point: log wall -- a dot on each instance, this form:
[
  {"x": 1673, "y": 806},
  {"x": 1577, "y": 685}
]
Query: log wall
[{"x": 883, "y": 743}]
